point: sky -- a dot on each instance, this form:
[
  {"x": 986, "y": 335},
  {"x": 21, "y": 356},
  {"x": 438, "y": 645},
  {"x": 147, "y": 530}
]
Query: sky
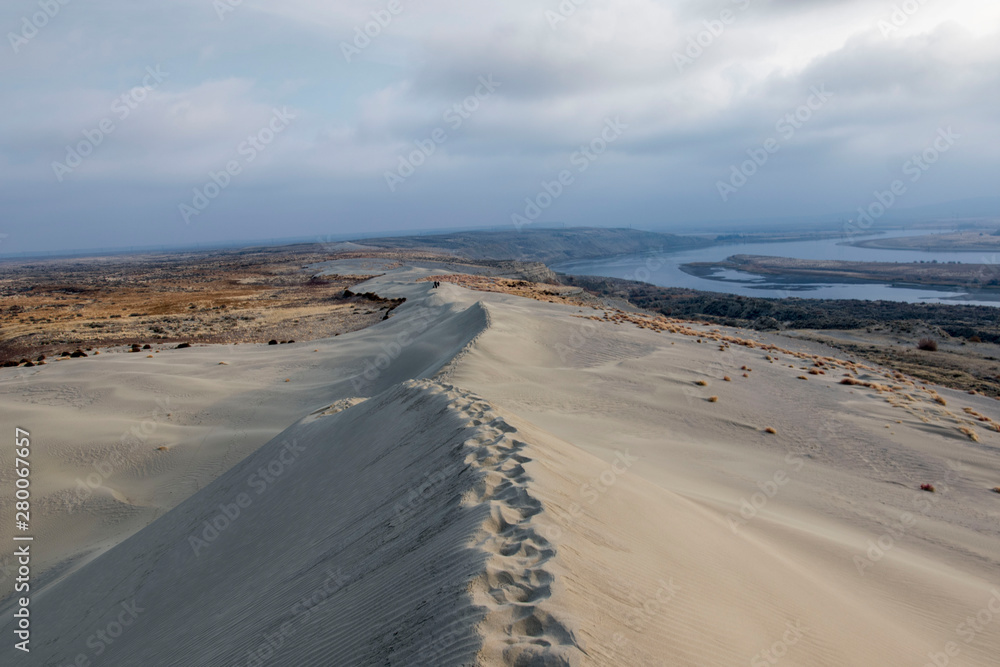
[{"x": 199, "y": 121}]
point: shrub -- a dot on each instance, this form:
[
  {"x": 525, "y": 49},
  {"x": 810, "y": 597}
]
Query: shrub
[
  {"x": 928, "y": 344},
  {"x": 927, "y": 487},
  {"x": 713, "y": 399}
]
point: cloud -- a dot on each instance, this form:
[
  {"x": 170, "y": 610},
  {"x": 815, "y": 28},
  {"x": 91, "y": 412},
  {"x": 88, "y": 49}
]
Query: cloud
[{"x": 698, "y": 83}]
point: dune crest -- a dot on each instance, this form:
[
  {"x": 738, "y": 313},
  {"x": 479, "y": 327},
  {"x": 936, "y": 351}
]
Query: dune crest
[{"x": 484, "y": 479}]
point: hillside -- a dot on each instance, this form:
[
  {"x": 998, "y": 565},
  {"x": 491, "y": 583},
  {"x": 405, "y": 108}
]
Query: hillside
[{"x": 543, "y": 245}]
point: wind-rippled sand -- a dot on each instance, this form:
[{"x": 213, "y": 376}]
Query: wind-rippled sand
[{"x": 489, "y": 479}]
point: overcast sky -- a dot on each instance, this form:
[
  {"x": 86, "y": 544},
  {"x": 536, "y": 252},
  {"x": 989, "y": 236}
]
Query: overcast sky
[{"x": 193, "y": 121}]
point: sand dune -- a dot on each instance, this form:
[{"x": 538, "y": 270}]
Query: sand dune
[{"x": 487, "y": 479}]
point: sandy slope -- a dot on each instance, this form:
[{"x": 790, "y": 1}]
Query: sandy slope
[
  {"x": 98, "y": 423},
  {"x": 555, "y": 491}
]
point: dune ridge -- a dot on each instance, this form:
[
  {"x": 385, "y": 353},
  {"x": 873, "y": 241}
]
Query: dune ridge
[
  {"x": 407, "y": 547},
  {"x": 484, "y": 479}
]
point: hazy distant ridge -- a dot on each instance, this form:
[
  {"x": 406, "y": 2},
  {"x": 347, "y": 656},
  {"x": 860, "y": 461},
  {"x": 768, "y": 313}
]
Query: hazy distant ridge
[{"x": 544, "y": 245}]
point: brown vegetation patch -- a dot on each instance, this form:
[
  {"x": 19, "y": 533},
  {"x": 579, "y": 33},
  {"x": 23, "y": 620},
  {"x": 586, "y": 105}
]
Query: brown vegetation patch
[{"x": 244, "y": 296}]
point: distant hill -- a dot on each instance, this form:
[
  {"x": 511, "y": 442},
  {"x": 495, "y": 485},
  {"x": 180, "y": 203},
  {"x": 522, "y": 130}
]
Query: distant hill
[{"x": 544, "y": 245}]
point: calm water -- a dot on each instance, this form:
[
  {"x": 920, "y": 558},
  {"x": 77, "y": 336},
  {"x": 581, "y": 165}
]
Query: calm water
[{"x": 663, "y": 268}]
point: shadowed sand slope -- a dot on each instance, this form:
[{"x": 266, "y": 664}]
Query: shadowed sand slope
[
  {"x": 399, "y": 531},
  {"x": 126, "y": 438}
]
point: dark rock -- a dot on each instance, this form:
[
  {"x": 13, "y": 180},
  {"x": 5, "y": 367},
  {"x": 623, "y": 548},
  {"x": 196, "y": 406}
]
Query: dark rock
[
  {"x": 183, "y": 345},
  {"x": 78, "y": 354},
  {"x": 147, "y": 346},
  {"x": 272, "y": 342}
]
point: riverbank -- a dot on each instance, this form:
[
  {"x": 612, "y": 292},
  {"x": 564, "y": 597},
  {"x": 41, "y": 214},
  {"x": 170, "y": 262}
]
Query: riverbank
[{"x": 932, "y": 273}]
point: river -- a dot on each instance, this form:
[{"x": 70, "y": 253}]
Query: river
[{"x": 663, "y": 268}]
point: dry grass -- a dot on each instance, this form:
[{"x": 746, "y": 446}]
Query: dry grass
[
  {"x": 538, "y": 291},
  {"x": 969, "y": 433},
  {"x": 209, "y": 297}
]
